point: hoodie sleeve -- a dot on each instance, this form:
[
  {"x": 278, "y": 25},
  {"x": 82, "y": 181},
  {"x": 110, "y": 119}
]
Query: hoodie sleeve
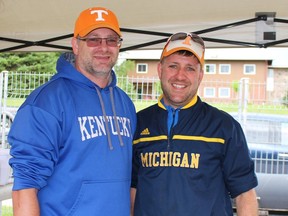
[{"x": 33, "y": 137}]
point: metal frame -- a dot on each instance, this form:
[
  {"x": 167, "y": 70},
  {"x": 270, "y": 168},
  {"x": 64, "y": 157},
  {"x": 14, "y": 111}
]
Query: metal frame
[{"x": 261, "y": 17}]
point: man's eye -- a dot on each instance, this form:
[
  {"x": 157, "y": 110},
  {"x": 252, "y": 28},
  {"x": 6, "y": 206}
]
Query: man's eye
[
  {"x": 112, "y": 40},
  {"x": 190, "y": 69},
  {"x": 94, "y": 39},
  {"x": 172, "y": 66}
]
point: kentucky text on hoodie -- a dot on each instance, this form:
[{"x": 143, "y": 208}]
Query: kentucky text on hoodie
[{"x": 94, "y": 126}]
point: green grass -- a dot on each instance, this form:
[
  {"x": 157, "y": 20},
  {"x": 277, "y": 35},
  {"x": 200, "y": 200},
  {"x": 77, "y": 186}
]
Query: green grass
[
  {"x": 252, "y": 108},
  {"x": 14, "y": 102},
  {"x": 7, "y": 211},
  {"x": 142, "y": 105},
  {"x": 228, "y": 107},
  {"x": 232, "y": 108}
]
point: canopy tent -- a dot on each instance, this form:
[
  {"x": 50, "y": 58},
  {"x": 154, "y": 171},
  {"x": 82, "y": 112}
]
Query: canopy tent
[{"x": 37, "y": 25}]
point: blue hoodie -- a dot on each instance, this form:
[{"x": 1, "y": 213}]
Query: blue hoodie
[{"x": 73, "y": 142}]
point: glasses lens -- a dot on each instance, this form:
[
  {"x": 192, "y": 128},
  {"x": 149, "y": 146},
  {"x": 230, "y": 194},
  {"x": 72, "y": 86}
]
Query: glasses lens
[
  {"x": 178, "y": 36},
  {"x": 197, "y": 39},
  {"x": 112, "y": 41},
  {"x": 92, "y": 42}
]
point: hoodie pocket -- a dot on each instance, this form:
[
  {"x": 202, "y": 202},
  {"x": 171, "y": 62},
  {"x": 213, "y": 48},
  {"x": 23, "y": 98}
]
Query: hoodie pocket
[{"x": 105, "y": 198}]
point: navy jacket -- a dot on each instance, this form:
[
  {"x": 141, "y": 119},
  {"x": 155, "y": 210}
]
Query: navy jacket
[{"x": 189, "y": 161}]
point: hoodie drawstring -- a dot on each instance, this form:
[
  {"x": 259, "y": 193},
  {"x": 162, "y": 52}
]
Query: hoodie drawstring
[
  {"x": 106, "y": 118},
  {"x": 115, "y": 117}
]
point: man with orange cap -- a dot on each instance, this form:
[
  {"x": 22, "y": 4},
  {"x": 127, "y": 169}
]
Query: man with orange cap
[
  {"x": 189, "y": 158},
  {"x": 71, "y": 140}
]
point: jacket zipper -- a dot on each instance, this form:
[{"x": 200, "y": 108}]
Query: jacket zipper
[{"x": 170, "y": 135}]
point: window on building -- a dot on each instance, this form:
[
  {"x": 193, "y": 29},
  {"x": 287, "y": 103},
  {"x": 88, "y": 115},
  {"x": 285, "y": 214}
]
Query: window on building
[
  {"x": 224, "y": 69},
  {"x": 209, "y": 92},
  {"x": 224, "y": 92},
  {"x": 249, "y": 69},
  {"x": 142, "y": 68},
  {"x": 210, "y": 69}
]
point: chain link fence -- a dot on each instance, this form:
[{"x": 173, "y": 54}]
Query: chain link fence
[{"x": 261, "y": 110}]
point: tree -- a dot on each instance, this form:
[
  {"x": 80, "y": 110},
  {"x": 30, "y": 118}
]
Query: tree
[
  {"x": 37, "y": 65},
  {"x": 42, "y": 62}
]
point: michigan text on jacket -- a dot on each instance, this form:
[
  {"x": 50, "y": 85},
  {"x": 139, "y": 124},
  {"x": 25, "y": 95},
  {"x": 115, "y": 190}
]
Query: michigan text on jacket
[{"x": 168, "y": 159}]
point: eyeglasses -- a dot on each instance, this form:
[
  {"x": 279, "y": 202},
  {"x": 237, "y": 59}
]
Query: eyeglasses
[
  {"x": 183, "y": 36},
  {"x": 97, "y": 41}
]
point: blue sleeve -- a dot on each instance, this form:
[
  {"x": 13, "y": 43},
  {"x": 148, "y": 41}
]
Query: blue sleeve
[
  {"x": 238, "y": 167},
  {"x": 33, "y": 138}
]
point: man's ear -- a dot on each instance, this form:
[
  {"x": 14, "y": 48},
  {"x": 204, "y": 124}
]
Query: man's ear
[
  {"x": 74, "y": 43},
  {"x": 201, "y": 75},
  {"x": 159, "y": 69}
]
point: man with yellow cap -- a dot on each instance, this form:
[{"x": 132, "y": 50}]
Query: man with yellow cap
[
  {"x": 71, "y": 140},
  {"x": 189, "y": 158}
]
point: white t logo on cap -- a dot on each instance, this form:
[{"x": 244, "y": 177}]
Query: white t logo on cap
[{"x": 99, "y": 12}]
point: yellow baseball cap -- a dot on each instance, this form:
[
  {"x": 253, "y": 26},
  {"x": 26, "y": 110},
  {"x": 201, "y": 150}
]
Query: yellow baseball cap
[
  {"x": 185, "y": 41},
  {"x": 93, "y": 18}
]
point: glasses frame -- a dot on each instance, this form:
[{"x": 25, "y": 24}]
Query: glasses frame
[
  {"x": 97, "y": 41},
  {"x": 184, "y": 35}
]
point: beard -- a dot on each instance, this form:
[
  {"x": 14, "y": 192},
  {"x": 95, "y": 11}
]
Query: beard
[{"x": 98, "y": 69}]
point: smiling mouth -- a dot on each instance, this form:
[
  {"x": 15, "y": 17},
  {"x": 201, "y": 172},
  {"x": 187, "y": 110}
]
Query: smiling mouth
[
  {"x": 102, "y": 57},
  {"x": 178, "y": 86}
]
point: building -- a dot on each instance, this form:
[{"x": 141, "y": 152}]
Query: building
[{"x": 225, "y": 71}]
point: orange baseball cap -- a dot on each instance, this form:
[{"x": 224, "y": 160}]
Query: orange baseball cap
[
  {"x": 185, "y": 41},
  {"x": 93, "y": 18}
]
